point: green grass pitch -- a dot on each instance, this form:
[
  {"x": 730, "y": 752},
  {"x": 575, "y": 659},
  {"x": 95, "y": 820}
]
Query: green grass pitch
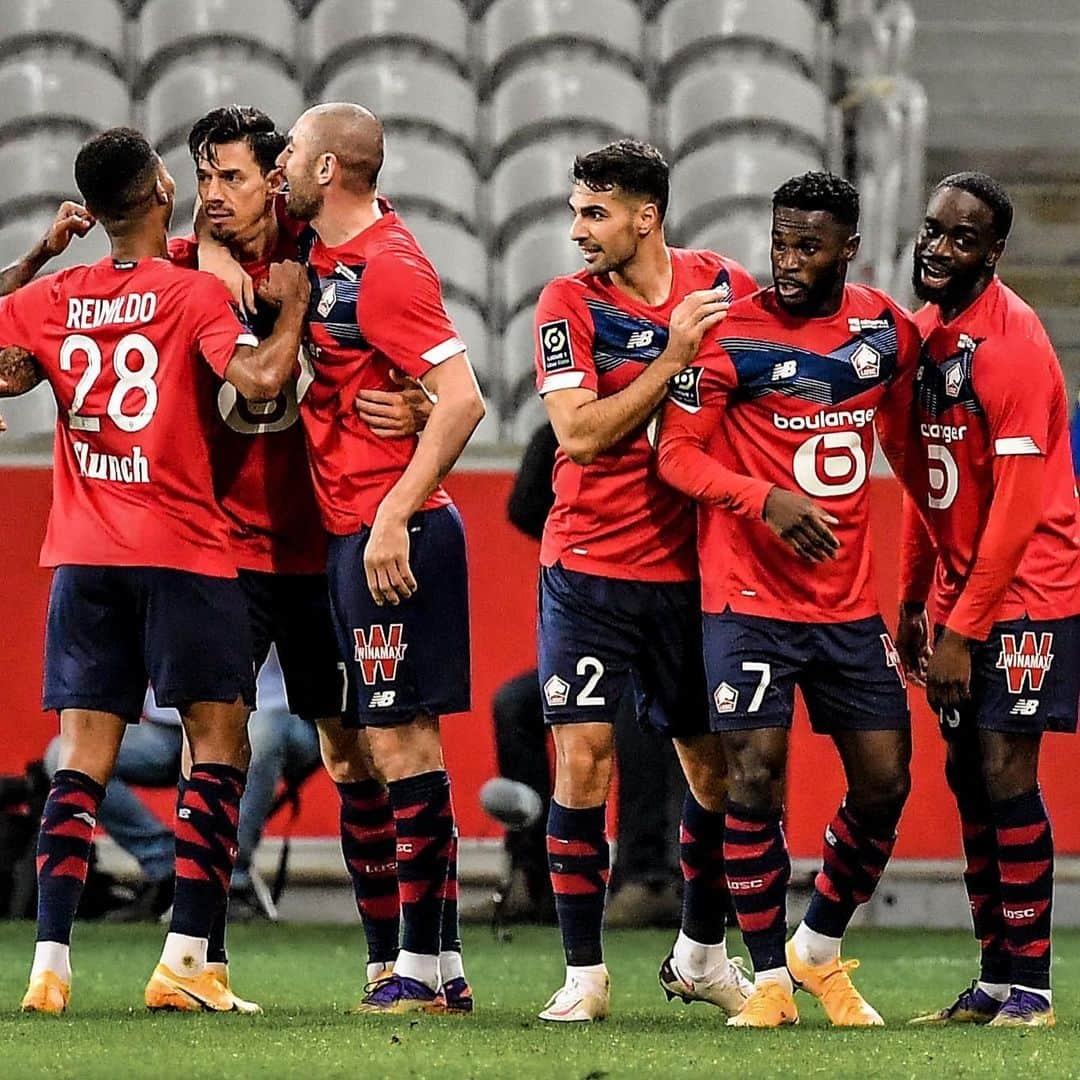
[{"x": 306, "y": 977}]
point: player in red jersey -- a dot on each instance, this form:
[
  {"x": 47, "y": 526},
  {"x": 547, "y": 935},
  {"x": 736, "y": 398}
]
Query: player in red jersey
[
  {"x": 145, "y": 581},
  {"x": 264, "y": 484},
  {"x": 772, "y": 431},
  {"x": 619, "y": 598},
  {"x": 991, "y": 477},
  {"x": 396, "y": 561}
]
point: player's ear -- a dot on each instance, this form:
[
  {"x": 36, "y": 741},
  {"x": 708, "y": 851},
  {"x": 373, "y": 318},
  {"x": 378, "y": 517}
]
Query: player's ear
[
  {"x": 997, "y": 249},
  {"x": 851, "y": 247},
  {"x": 328, "y": 167},
  {"x": 275, "y": 179},
  {"x": 648, "y": 218}
]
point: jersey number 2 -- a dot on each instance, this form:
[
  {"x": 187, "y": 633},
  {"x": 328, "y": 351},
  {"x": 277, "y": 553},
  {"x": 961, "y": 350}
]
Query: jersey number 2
[{"x": 142, "y": 380}]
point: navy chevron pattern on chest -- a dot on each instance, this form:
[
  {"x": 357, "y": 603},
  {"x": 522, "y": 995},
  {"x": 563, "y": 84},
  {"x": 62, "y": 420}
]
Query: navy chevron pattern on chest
[
  {"x": 865, "y": 360},
  {"x": 619, "y": 338},
  {"x": 942, "y": 386}
]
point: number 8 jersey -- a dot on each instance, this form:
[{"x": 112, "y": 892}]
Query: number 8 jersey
[
  {"x": 131, "y": 351},
  {"x": 791, "y": 402}
]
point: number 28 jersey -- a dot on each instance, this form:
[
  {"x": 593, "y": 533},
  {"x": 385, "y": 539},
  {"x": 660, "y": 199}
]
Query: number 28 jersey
[
  {"x": 793, "y": 403},
  {"x": 131, "y": 351}
]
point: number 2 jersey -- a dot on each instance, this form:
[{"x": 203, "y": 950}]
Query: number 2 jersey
[
  {"x": 615, "y": 517},
  {"x": 261, "y": 470},
  {"x": 774, "y": 400},
  {"x": 133, "y": 352},
  {"x": 990, "y": 394}
]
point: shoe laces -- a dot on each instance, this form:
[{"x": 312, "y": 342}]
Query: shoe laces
[
  {"x": 838, "y": 987},
  {"x": 381, "y": 986}
]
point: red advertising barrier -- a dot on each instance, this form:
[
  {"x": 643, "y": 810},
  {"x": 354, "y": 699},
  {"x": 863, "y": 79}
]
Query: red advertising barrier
[{"x": 503, "y": 576}]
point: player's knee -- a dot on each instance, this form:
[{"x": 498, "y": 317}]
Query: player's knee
[
  {"x": 1007, "y": 772},
  {"x": 755, "y": 780},
  {"x": 583, "y": 763},
  {"x": 879, "y": 799}
]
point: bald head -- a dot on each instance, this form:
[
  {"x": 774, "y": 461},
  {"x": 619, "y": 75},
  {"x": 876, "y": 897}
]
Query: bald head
[{"x": 352, "y": 134}]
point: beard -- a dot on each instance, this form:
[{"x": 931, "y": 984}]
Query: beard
[
  {"x": 303, "y": 205},
  {"x": 959, "y": 285}
]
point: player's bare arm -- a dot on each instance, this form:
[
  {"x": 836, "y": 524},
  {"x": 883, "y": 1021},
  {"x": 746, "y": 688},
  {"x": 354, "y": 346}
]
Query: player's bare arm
[
  {"x": 395, "y": 414},
  {"x": 72, "y": 219},
  {"x": 587, "y": 425},
  {"x": 261, "y": 373},
  {"x": 457, "y": 410}
]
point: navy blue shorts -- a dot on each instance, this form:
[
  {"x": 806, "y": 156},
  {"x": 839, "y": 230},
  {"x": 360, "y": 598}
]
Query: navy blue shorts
[
  {"x": 597, "y": 637},
  {"x": 411, "y": 659},
  {"x": 292, "y": 611},
  {"x": 111, "y": 629},
  {"x": 1025, "y": 679},
  {"x": 849, "y": 674}
]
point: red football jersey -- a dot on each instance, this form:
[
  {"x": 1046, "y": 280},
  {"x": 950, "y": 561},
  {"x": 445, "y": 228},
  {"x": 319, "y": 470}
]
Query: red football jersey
[
  {"x": 376, "y": 304},
  {"x": 791, "y": 402},
  {"x": 131, "y": 351},
  {"x": 615, "y": 517},
  {"x": 989, "y": 387},
  {"x": 260, "y": 461}
]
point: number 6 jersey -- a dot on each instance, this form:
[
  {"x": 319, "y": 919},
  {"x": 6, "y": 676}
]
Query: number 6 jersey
[
  {"x": 131, "y": 351},
  {"x": 775, "y": 400}
]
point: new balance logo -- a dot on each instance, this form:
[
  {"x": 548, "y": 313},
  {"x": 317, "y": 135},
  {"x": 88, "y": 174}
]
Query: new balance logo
[
  {"x": 1027, "y": 662},
  {"x": 379, "y": 650},
  {"x": 382, "y": 699},
  {"x": 640, "y": 339},
  {"x": 787, "y": 370},
  {"x": 1025, "y": 707},
  {"x": 184, "y": 813}
]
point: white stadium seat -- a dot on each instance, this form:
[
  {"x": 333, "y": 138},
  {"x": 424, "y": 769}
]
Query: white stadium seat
[
  {"x": 527, "y": 417},
  {"x": 686, "y": 27},
  {"x": 421, "y": 92},
  {"x": 58, "y": 87},
  {"x": 178, "y": 162},
  {"x": 340, "y": 28},
  {"x": 736, "y": 167},
  {"x": 561, "y": 92},
  {"x": 96, "y": 24},
  {"x": 745, "y": 236},
  {"x": 39, "y": 165},
  {"x": 537, "y": 254},
  {"x": 418, "y": 170},
  {"x": 535, "y": 179},
  {"x": 513, "y": 28},
  {"x": 518, "y": 347},
  {"x": 29, "y": 416},
  {"x": 170, "y": 27},
  {"x": 725, "y": 95},
  {"x": 19, "y": 236},
  {"x": 457, "y": 255},
  {"x": 217, "y": 77},
  {"x": 473, "y": 330}
]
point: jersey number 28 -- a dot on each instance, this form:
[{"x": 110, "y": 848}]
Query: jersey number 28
[{"x": 127, "y": 381}]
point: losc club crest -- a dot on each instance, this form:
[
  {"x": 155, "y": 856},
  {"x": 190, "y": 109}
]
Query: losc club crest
[
  {"x": 866, "y": 361},
  {"x": 725, "y": 698},
  {"x": 379, "y": 650},
  {"x": 954, "y": 380}
]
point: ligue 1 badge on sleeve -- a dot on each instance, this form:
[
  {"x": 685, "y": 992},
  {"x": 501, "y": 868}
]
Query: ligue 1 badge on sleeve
[
  {"x": 555, "y": 346},
  {"x": 684, "y": 388}
]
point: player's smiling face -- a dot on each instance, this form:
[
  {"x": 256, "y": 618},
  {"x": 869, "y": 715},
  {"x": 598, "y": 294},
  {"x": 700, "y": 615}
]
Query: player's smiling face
[
  {"x": 236, "y": 196},
  {"x": 608, "y": 227},
  {"x": 956, "y": 249},
  {"x": 810, "y": 254}
]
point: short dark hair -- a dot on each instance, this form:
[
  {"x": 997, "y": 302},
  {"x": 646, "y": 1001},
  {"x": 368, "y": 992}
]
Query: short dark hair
[
  {"x": 987, "y": 190},
  {"x": 820, "y": 191},
  {"x": 636, "y": 167},
  {"x": 115, "y": 172},
  {"x": 237, "y": 123}
]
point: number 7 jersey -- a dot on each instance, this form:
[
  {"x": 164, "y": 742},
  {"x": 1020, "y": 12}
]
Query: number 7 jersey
[
  {"x": 131, "y": 351},
  {"x": 792, "y": 402}
]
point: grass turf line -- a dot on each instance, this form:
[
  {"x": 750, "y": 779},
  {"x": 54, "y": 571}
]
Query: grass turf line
[{"x": 307, "y": 977}]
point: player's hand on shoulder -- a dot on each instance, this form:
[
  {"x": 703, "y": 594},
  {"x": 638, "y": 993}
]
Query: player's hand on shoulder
[
  {"x": 287, "y": 282},
  {"x": 386, "y": 561},
  {"x": 695, "y": 315},
  {"x": 801, "y": 524},
  {"x": 913, "y": 641},
  {"x": 393, "y": 414},
  {"x": 215, "y": 259},
  {"x": 948, "y": 673},
  {"x": 72, "y": 219}
]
